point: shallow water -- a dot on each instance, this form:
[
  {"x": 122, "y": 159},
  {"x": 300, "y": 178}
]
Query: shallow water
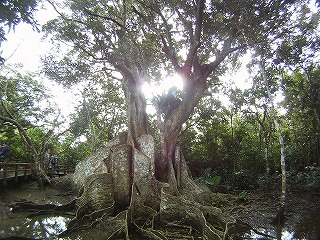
[
  {"x": 37, "y": 227},
  {"x": 42, "y": 227},
  {"x": 307, "y": 229},
  {"x": 49, "y": 227}
]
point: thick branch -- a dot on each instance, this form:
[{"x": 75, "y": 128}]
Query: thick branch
[
  {"x": 227, "y": 49},
  {"x": 167, "y": 44},
  {"x": 186, "y": 69},
  {"x": 22, "y": 132},
  {"x": 170, "y": 54},
  {"x": 199, "y": 20},
  {"x": 103, "y": 17}
]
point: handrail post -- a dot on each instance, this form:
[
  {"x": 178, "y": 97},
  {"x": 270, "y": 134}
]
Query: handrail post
[
  {"x": 4, "y": 173},
  {"x": 24, "y": 170},
  {"x": 16, "y": 170}
]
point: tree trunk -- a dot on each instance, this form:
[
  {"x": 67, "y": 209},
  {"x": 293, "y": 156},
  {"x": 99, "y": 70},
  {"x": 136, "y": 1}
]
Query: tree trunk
[
  {"x": 266, "y": 157},
  {"x": 136, "y": 110},
  {"x": 171, "y": 127},
  {"x": 265, "y": 145},
  {"x": 165, "y": 168},
  {"x": 27, "y": 140},
  {"x": 279, "y": 219}
]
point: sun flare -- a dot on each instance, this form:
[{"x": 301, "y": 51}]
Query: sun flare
[{"x": 151, "y": 90}]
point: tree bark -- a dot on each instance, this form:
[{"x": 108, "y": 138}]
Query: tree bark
[
  {"x": 172, "y": 125},
  {"x": 281, "y": 213},
  {"x": 279, "y": 219},
  {"x": 265, "y": 144},
  {"x": 136, "y": 110}
]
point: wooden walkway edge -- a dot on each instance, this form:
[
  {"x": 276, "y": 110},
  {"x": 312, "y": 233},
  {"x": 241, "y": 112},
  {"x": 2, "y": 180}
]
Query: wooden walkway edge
[{"x": 15, "y": 171}]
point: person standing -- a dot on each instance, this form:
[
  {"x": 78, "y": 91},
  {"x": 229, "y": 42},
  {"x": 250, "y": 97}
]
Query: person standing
[
  {"x": 54, "y": 159},
  {"x": 5, "y": 152},
  {"x": 46, "y": 160}
]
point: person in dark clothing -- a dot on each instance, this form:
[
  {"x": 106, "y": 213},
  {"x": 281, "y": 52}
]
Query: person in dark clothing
[
  {"x": 5, "y": 154},
  {"x": 54, "y": 159},
  {"x": 46, "y": 160}
]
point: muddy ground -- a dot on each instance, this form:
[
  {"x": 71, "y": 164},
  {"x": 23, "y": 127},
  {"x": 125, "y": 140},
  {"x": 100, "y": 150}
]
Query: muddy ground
[
  {"x": 255, "y": 207},
  {"x": 259, "y": 208}
]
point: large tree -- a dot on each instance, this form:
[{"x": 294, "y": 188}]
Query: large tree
[
  {"x": 146, "y": 40},
  {"x": 195, "y": 39}
]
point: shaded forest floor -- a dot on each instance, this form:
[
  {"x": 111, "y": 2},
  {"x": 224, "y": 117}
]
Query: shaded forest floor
[{"x": 254, "y": 207}]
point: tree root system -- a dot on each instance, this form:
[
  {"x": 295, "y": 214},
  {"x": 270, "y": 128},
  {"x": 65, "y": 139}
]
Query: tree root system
[{"x": 154, "y": 213}]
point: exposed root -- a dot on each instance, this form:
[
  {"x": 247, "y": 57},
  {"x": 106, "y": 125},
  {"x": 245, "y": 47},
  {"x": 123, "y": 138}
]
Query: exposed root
[{"x": 179, "y": 209}]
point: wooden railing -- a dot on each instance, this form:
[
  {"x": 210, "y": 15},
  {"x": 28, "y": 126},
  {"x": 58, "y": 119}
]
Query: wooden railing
[
  {"x": 20, "y": 170},
  {"x": 15, "y": 170},
  {"x": 60, "y": 170}
]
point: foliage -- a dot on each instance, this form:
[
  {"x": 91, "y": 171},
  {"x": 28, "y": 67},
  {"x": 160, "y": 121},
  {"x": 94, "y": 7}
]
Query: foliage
[
  {"x": 307, "y": 180},
  {"x": 208, "y": 178},
  {"x": 71, "y": 150},
  {"x": 229, "y": 140},
  {"x": 12, "y": 12},
  {"x": 244, "y": 179},
  {"x": 101, "y": 114},
  {"x": 219, "y": 201},
  {"x": 24, "y": 97},
  {"x": 26, "y": 114},
  {"x": 243, "y": 196}
]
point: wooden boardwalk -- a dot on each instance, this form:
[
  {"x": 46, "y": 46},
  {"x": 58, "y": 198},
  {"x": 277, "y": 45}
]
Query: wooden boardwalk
[{"x": 16, "y": 171}]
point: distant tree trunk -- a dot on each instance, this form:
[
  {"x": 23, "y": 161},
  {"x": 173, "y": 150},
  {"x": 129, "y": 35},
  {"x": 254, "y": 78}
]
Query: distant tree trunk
[
  {"x": 265, "y": 145},
  {"x": 266, "y": 158},
  {"x": 281, "y": 213},
  {"x": 279, "y": 219},
  {"x": 28, "y": 142},
  {"x": 93, "y": 138},
  {"x": 318, "y": 150}
]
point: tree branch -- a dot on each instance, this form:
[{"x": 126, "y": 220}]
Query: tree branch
[
  {"x": 199, "y": 20},
  {"x": 103, "y": 17},
  {"x": 22, "y": 132},
  {"x": 167, "y": 44}
]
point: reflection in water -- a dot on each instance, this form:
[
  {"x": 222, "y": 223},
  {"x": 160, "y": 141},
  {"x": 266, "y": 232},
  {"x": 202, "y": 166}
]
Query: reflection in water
[
  {"x": 45, "y": 227},
  {"x": 55, "y": 225},
  {"x": 308, "y": 228},
  {"x": 50, "y": 226},
  {"x": 284, "y": 235}
]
